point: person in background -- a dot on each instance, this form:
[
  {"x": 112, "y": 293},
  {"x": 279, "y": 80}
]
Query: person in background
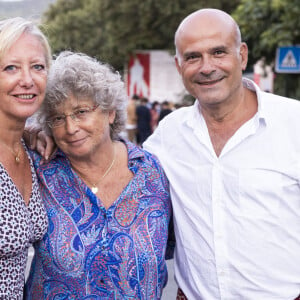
[
  {"x": 233, "y": 163},
  {"x": 107, "y": 200},
  {"x": 131, "y": 124},
  {"x": 25, "y": 58},
  {"x": 165, "y": 110},
  {"x": 154, "y": 111},
  {"x": 143, "y": 121}
]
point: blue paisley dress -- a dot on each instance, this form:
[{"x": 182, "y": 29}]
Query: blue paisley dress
[{"x": 90, "y": 252}]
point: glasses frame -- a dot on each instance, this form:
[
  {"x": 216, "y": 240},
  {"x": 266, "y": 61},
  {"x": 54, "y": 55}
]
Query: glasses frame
[{"x": 72, "y": 116}]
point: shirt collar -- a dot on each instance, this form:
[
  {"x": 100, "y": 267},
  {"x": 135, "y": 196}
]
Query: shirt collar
[
  {"x": 134, "y": 152},
  {"x": 252, "y": 86},
  {"x": 194, "y": 116}
]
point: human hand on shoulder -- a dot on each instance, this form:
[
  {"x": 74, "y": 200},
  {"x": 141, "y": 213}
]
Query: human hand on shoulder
[{"x": 36, "y": 139}]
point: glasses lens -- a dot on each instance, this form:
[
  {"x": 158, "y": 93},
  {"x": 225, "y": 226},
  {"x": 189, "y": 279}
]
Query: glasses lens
[
  {"x": 56, "y": 121},
  {"x": 79, "y": 115}
]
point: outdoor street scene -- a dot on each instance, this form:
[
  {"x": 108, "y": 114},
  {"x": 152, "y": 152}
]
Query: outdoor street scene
[{"x": 130, "y": 129}]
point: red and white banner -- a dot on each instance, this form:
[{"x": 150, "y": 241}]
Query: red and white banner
[{"x": 138, "y": 80}]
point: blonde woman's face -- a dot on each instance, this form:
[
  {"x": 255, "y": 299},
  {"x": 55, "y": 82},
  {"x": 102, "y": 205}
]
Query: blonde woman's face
[{"x": 23, "y": 77}]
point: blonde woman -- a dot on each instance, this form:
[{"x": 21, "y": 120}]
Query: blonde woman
[{"x": 24, "y": 61}]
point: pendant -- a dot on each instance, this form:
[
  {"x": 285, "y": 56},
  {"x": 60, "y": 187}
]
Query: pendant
[
  {"x": 94, "y": 189},
  {"x": 17, "y": 159}
]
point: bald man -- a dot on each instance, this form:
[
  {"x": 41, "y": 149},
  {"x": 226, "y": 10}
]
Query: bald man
[{"x": 233, "y": 162}]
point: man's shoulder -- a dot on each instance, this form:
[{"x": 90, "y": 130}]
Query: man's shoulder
[
  {"x": 281, "y": 111},
  {"x": 270, "y": 100},
  {"x": 178, "y": 116},
  {"x": 276, "y": 97},
  {"x": 276, "y": 102},
  {"x": 169, "y": 131}
]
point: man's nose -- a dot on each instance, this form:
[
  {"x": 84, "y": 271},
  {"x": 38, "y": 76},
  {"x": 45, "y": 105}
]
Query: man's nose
[{"x": 207, "y": 65}]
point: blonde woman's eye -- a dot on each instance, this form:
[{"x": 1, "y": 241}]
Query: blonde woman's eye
[
  {"x": 10, "y": 68},
  {"x": 39, "y": 67}
]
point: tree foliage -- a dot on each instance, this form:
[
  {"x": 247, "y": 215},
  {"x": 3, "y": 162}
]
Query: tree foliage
[
  {"x": 266, "y": 25},
  {"x": 112, "y": 30}
]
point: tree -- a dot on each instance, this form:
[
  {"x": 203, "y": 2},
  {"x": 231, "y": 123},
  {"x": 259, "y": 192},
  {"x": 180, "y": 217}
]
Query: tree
[
  {"x": 266, "y": 25},
  {"x": 111, "y": 31}
]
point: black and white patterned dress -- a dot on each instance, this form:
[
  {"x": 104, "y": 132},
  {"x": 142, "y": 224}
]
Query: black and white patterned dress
[{"x": 20, "y": 225}]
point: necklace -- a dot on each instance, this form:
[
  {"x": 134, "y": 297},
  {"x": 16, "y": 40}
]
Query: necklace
[
  {"x": 94, "y": 187},
  {"x": 16, "y": 155}
]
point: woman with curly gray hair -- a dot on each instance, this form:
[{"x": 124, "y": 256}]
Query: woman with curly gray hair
[
  {"x": 107, "y": 200},
  {"x": 84, "y": 77}
]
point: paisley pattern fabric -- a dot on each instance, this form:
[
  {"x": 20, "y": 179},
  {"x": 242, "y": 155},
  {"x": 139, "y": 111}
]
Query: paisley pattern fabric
[
  {"x": 20, "y": 225},
  {"x": 89, "y": 252}
]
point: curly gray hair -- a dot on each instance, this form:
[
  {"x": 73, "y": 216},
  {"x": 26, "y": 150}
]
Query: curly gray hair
[{"x": 84, "y": 77}]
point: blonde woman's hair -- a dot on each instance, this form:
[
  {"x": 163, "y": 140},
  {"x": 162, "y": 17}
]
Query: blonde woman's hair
[{"x": 11, "y": 30}]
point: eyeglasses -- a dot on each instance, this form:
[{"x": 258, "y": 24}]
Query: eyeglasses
[{"x": 79, "y": 115}]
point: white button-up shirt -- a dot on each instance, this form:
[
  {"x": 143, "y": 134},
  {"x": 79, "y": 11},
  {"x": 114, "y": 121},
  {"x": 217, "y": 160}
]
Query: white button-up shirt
[{"x": 236, "y": 216}]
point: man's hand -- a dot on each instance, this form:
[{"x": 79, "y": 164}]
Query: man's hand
[
  {"x": 45, "y": 145},
  {"x": 38, "y": 140}
]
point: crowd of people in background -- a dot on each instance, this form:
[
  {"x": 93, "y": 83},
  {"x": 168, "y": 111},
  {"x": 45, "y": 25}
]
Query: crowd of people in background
[{"x": 143, "y": 117}]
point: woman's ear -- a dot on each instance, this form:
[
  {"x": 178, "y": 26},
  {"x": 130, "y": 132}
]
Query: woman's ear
[{"x": 111, "y": 116}]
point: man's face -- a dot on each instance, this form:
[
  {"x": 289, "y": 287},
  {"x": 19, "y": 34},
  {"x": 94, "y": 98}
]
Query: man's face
[{"x": 210, "y": 60}]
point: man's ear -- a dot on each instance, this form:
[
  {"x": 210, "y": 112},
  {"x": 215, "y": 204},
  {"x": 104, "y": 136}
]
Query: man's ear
[
  {"x": 177, "y": 63},
  {"x": 244, "y": 55}
]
